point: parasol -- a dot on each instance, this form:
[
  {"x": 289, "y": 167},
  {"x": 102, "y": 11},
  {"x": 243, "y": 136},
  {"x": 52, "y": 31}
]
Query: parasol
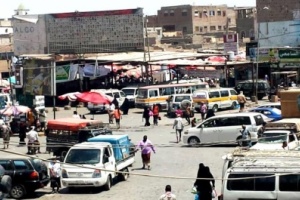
[{"x": 14, "y": 110}]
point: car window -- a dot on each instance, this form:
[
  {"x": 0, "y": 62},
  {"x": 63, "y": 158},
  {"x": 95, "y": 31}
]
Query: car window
[
  {"x": 109, "y": 94},
  {"x": 214, "y": 94},
  {"x": 246, "y": 182},
  {"x": 153, "y": 93},
  {"x": 128, "y": 91},
  {"x": 289, "y": 182},
  {"x": 200, "y": 95},
  {"x": 247, "y": 86},
  {"x": 116, "y": 95},
  {"x": 208, "y": 124},
  {"x": 258, "y": 120},
  {"x": 224, "y": 93},
  {"x": 226, "y": 121},
  {"x": 21, "y": 165},
  {"x": 142, "y": 94},
  {"x": 233, "y": 92},
  {"x": 167, "y": 91},
  {"x": 122, "y": 94},
  {"x": 6, "y": 165},
  {"x": 244, "y": 121}
]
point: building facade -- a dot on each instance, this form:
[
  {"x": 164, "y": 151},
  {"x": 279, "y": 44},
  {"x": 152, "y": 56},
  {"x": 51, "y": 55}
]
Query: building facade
[{"x": 245, "y": 22}]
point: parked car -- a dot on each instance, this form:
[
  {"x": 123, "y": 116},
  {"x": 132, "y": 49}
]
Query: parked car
[
  {"x": 177, "y": 101},
  {"x": 131, "y": 94},
  {"x": 263, "y": 88},
  {"x": 5, "y": 184},
  {"x": 223, "y": 129},
  {"x": 27, "y": 175},
  {"x": 272, "y": 140},
  {"x": 271, "y": 105},
  {"x": 272, "y": 113}
]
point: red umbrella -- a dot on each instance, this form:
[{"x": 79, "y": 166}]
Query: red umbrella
[{"x": 92, "y": 97}]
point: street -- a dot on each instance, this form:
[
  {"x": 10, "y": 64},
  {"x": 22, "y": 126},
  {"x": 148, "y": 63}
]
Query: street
[{"x": 172, "y": 164}]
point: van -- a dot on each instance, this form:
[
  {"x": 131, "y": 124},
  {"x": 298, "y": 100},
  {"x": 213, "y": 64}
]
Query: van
[
  {"x": 118, "y": 94},
  {"x": 131, "y": 93},
  {"x": 262, "y": 178},
  {"x": 223, "y": 129},
  {"x": 247, "y": 86},
  {"x": 216, "y": 99}
]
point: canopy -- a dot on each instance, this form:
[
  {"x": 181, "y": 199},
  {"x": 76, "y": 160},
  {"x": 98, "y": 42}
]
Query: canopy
[
  {"x": 70, "y": 124},
  {"x": 70, "y": 96},
  {"x": 92, "y": 97},
  {"x": 14, "y": 110}
]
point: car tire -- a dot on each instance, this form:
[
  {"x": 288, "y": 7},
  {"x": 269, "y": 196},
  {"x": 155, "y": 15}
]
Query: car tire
[
  {"x": 17, "y": 191},
  {"x": 192, "y": 141},
  {"x": 239, "y": 141},
  {"x": 108, "y": 183},
  {"x": 6, "y": 184},
  {"x": 124, "y": 177},
  {"x": 215, "y": 108}
]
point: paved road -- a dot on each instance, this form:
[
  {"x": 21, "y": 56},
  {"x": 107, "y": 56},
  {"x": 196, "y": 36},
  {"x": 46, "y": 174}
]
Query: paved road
[{"x": 171, "y": 159}]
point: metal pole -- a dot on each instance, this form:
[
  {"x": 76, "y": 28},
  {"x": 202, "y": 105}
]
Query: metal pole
[
  {"x": 226, "y": 74},
  {"x": 10, "y": 85},
  {"x": 257, "y": 60},
  {"x": 53, "y": 88}
]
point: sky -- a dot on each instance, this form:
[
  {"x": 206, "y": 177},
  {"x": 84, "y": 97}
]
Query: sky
[{"x": 150, "y": 6}]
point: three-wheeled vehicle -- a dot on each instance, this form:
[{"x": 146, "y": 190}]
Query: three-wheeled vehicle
[{"x": 63, "y": 133}]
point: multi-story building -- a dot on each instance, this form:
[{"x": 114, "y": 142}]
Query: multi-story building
[
  {"x": 194, "y": 22},
  {"x": 6, "y": 47}
]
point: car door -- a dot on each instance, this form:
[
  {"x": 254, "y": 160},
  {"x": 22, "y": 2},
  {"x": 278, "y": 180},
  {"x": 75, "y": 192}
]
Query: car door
[
  {"x": 153, "y": 96},
  {"x": 22, "y": 170},
  {"x": 229, "y": 128},
  {"x": 209, "y": 131},
  {"x": 108, "y": 160},
  {"x": 225, "y": 99}
]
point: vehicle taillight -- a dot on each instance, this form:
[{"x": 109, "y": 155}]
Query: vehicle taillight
[
  {"x": 97, "y": 173},
  {"x": 34, "y": 175}
]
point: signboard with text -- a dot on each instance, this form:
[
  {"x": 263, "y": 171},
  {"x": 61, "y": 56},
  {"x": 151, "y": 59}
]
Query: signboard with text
[
  {"x": 231, "y": 43},
  {"x": 282, "y": 55}
]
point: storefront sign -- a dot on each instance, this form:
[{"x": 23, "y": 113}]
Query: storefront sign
[{"x": 282, "y": 55}]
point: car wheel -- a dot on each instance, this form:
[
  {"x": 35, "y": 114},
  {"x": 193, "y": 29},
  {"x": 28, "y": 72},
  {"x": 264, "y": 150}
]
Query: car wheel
[
  {"x": 193, "y": 141},
  {"x": 6, "y": 184},
  {"x": 239, "y": 141},
  {"x": 215, "y": 108},
  {"x": 124, "y": 177},
  {"x": 107, "y": 185},
  {"x": 233, "y": 106},
  {"x": 17, "y": 191}
]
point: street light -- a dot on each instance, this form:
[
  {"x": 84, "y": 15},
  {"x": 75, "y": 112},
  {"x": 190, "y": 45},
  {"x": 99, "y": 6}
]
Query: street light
[{"x": 257, "y": 56}]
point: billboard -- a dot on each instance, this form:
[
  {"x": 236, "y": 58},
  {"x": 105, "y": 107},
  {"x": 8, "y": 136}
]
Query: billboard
[
  {"x": 29, "y": 34},
  {"x": 38, "y": 77},
  {"x": 95, "y": 32},
  {"x": 279, "y": 55},
  {"x": 231, "y": 43}
]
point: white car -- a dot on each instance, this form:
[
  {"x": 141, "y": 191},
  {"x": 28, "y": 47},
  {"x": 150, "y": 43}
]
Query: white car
[
  {"x": 223, "y": 129},
  {"x": 131, "y": 94},
  {"x": 272, "y": 140}
]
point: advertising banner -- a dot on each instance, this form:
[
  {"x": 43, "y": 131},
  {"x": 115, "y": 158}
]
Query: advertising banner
[
  {"x": 282, "y": 55},
  {"x": 37, "y": 77}
]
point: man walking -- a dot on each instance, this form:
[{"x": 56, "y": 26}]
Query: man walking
[
  {"x": 178, "y": 125},
  {"x": 168, "y": 195},
  {"x": 242, "y": 100}
]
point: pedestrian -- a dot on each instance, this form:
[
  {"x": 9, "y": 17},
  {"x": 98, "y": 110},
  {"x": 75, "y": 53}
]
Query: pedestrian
[
  {"x": 22, "y": 133},
  {"x": 125, "y": 106},
  {"x": 194, "y": 122},
  {"x": 146, "y": 147},
  {"x": 33, "y": 141},
  {"x": 155, "y": 114},
  {"x": 246, "y": 137},
  {"x": 31, "y": 118},
  {"x": 187, "y": 114},
  {"x": 205, "y": 183},
  {"x": 83, "y": 117},
  {"x": 55, "y": 172},
  {"x": 5, "y": 132},
  {"x": 210, "y": 113},
  {"x": 168, "y": 194},
  {"x": 115, "y": 101},
  {"x": 242, "y": 100},
  {"x": 178, "y": 125},
  {"x": 261, "y": 130},
  {"x": 179, "y": 111},
  {"x": 110, "y": 111},
  {"x": 118, "y": 116},
  {"x": 42, "y": 118},
  {"x": 75, "y": 115},
  {"x": 203, "y": 110},
  {"x": 146, "y": 115}
]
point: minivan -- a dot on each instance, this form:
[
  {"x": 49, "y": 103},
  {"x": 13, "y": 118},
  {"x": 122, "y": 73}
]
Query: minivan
[
  {"x": 267, "y": 178},
  {"x": 131, "y": 93},
  {"x": 223, "y": 129},
  {"x": 216, "y": 99}
]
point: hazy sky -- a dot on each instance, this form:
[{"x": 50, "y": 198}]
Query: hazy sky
[{"x": 150, "y": 6}]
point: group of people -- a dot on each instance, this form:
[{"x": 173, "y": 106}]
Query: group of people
[{"x": 151, "y": 112}]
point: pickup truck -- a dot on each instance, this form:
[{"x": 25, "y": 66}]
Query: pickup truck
[
  {"x": 273, "y": 140},
  {"x": 96, "y": 163}
]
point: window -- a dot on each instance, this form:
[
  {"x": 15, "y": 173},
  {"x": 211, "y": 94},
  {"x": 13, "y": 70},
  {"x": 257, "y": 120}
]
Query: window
[
  {"x": 197, "y": 28},
  {"x": 201, "y": 29},
  {"x": 205, "y": 28},
  {"x": 196, "y": 13},
  {"x": 166, "y": 91},
  {"x": 122, "y": 94},
  {"x": 6, "y": 165},
  {"x": 116, "y": 95},
  {"x": 166, "y": 13},
  {"x": 219, "y": 28},
  {"x": 214, "y": 94},
  {"x": 212, "y": 28},
  {"x": 153, "y": 93},
  {"x": 20, "y": 165},
  {"x": 233, "y": 92},
  {"x": 247, "y": 183},
  {"x": 205, "y": 13},
  {"x": 83, "y": 156},
  {"x": 142, "y": 94},
  {"x": 230, "y": 121},
  {"x": 258, "y": 120},
  {"x": 200, "y": 14},
  {"x": 184, "y": 29},
  {"x": 212, "y": 13},
  {"x": 208, "y": 124},
  {"x": 219, "y": 13},
  {"x": 172, "y": 13},
  {"x": 289, "y": 183},
  {"x": 184, "y": 12},
  {"x": 158, "y": 32},
  {"x": 224, "y": 13},
  {"x": 224, "y": 93},
  {"x": 244, "y": 121}
]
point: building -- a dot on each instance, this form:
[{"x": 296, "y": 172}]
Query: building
[
  {"x": 190, "y": 23},
  {"x": 6, "y": 47},
  {"x": 245, "y": 22}
]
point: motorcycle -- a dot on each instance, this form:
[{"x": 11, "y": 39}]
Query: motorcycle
[{"x": 33, "y": 147}]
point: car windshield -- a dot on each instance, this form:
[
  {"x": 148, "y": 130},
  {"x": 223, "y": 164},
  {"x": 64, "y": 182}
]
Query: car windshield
[
  {"x": 128, "y": 91},
  {"x": 200, "y": 95},
  {"x": 273, "y": 138},
  {"x": 83, "y": 156},
  {"x": 142, "y": 94},
  {"x": 182, "y": 98}
]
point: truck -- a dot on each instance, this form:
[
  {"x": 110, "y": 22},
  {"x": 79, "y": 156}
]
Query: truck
[
  {"x": 63, "y": 133},
  {"x": 98, "y": 162}
]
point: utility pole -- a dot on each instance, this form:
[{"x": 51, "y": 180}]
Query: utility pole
[
  {"x": 146, "y": 41},
  {"x": 10, "y": 76}
]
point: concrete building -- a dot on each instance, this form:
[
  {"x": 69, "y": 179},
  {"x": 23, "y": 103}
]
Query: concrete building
[
  {"x": 195, "y": 22},
  {"x": 245, "y": 22}
]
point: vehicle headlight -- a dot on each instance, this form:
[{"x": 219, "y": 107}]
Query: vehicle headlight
[
  {"x": 97, "y": 173},
  {"x": 186, "y": 132},
  {"x": 64, "y": 173}
]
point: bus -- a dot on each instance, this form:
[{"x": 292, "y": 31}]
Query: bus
[{"x": 159, "y": 94}]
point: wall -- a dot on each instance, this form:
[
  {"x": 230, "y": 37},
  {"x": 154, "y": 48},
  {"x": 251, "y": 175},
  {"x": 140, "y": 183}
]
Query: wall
[{"x": 29, "y": 38}]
